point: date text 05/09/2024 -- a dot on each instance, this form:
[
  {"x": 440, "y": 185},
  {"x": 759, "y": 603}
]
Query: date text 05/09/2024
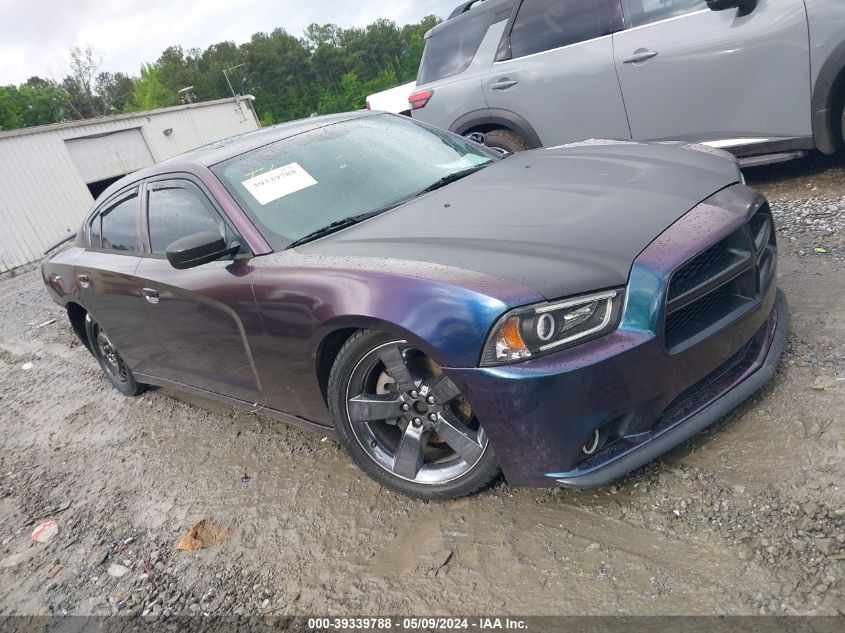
[{"x": 413, "y": 624}]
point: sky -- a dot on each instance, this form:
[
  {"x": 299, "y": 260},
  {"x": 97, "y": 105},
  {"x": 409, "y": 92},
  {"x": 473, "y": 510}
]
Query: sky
[{"x": 35, "y": 38}]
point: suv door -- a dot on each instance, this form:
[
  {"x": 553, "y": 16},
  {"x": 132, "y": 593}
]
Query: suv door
[
  {"x": 555, "y": 69},
  {"x": 105, "y": 275},
  {"x": 204, "y": 316},
  {"x": 691, "y": 73}
]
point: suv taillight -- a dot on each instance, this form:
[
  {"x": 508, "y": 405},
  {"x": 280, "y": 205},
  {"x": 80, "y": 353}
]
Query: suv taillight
[
  {"x": 420, "y": 99},
  {"x": 368, "y": 105}
]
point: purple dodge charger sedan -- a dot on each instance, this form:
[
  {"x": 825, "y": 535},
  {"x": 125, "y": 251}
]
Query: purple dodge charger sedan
[{"x": 561, "y": 316}]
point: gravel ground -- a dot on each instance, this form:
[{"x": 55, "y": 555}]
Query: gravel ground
[{"x": 746, "y": 518}]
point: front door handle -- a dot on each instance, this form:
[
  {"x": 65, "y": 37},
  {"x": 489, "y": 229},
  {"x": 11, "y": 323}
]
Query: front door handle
[
  {"x": 150, "y": 294},
  {"x": 84, "y": 280},
  {"x": 504, "y": 84},
  {"x": 638, "y": 56}
]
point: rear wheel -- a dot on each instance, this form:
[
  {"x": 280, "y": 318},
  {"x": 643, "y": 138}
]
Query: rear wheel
[
  {"x": 506, "y": 140},
  {"x": 404, "y": 422},
  {"x": 118, "y": 374}
]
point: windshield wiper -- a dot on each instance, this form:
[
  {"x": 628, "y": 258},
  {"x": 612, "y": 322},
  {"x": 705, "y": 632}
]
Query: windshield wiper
[
  {"x": 334, "y": 227},
  {"x": 450, "y": 178},
  {"x": 355, "y": 219}
]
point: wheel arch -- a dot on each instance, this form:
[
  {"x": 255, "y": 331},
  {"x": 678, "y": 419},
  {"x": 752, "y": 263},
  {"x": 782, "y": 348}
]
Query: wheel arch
[
  {"x": 491, "y": 119},
  {"x": 76, "y": 314},
  {"x": 828, "y": 100},
  {"x": 329, "y": 339}
]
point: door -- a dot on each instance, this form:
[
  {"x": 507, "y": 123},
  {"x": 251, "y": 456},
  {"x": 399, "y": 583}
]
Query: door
[
  {"x": 556, "y": 70},
  {"x": 109, "y": 155},
  {"x": 105, "y": 275},
  {"x": 204, "y": 317},
  {"x": 691, "y": 73}
]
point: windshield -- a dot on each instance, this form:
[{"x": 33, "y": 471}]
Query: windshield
[{"x": 299, "y": 185}]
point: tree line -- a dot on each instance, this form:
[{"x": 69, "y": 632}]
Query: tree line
[{"x": 328, "y": 69}]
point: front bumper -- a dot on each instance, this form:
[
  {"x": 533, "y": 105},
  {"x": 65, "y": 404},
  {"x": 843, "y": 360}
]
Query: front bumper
[
  {"x": 641, "y": 395},
  {"x": 750, "y": 372}
]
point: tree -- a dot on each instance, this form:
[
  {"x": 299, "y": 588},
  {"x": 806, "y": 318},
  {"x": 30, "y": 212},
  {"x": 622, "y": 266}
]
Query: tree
[
  {"x": 149, "y": 91},
  {"x": 114, "y": 92},
  {"x": 11, "y": 116},
  {"x": 79, "y": 82},
  {"x": 328, "y": 69},
  {"x": 211, "y": 83},
  {"x": 281, "y": 75},
  {"x": 45, "y": 102}
]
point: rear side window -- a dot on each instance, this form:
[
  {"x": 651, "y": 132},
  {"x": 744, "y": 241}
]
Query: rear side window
[
  {"x": 542, "y": 25},
  {"x": 450, "y": 50},
  {"x": 116, "y": 228},
  {"x": 639, "y": 12},
  {"x": 176, "y": 209}
]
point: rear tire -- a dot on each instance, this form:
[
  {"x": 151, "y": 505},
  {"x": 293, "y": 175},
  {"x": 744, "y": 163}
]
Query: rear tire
[
  {"x": 112, "y": 364},
  {"x": 506, "y": 140},
  {"x": 412, "y": 452}
]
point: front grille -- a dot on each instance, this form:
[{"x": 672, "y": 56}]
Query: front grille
[
  {"x": 720, "y": 284},
  {"x": 684, "y": 323},
  {"x": 699, "y": 269}
]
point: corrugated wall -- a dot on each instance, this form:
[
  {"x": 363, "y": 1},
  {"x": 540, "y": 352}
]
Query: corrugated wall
[{"x": 42, "y": 193}]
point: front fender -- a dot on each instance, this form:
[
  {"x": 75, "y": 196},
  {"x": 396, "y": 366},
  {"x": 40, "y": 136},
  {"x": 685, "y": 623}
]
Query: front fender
[
  {"x": 827, "y": 127},
  {"x": 445, "y": 312}
]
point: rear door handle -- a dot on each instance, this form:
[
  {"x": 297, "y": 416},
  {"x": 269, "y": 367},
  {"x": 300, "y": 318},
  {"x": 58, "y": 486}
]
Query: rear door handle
[
  {"x": 84, "y": 280},
  {"x": 504, "y": 84},
  {"x": 639, "y": 56},
  {"x": 150, "y": 294}
]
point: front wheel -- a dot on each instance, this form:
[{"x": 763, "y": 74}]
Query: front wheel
[
  {"x": 505, "y": 140},
  {"x": 404, "y": 422},
  {"x": 119, "y": 375}
]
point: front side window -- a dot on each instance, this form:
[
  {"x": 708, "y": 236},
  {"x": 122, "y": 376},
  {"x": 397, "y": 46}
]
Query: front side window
[
  {"x": 542, "y": 25},
  {"x": 337, "y": 172},
  {"x": 116, "y": 228},
  {"x": 639, "y": 12},
  {"x": 176, "y": 209}
]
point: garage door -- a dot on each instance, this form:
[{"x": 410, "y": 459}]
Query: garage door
[{"x": 109, "y": 155}]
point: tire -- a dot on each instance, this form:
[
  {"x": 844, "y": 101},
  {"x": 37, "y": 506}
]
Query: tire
[
  {"x": 410, "y": 451},
  {"x": 506, "y": 140},
  {"x": 115, "y": 370}
]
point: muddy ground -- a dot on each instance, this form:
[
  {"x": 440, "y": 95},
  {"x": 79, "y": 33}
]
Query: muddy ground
[{"x": 747, "y": 518}]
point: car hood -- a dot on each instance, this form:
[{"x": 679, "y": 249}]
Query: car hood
[{"x": 561, "y": 221}]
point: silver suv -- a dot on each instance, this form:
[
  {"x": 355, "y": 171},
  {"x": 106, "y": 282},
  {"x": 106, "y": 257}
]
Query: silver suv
[{"x": 762, "y": 78}]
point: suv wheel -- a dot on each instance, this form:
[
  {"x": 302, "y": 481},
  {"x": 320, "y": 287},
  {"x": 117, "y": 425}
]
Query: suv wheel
[
  {"x": 404, "y": 422},
  {"x": 506, "y": 140}
]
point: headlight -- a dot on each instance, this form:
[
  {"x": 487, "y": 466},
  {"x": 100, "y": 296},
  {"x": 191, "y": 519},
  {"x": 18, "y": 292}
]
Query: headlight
[{"x": 542, "y": 328}]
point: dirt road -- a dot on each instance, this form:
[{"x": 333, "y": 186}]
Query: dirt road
[{"x": 748, "y": 517}]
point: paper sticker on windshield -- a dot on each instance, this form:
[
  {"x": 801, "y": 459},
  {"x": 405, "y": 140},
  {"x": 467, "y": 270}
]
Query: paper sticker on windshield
[{"x": 279, "y": 183}]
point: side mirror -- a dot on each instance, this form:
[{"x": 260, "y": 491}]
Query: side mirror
[
  {"x": 746, "y": 6},
  {"x": 199, "y": 248}
]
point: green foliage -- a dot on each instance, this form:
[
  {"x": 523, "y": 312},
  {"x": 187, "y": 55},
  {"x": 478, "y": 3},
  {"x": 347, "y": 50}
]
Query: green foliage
[
  {"x": 10, "y": 108},
  {"x": 150, "y": 92},
  {"x": 329, "y": 69},
  {"x": 36, "y": 102}
]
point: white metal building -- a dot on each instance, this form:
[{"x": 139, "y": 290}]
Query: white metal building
[{"x": 50, "y": 175}]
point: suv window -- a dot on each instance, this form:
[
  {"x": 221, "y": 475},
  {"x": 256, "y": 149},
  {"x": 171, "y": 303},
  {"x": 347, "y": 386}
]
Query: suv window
[
  {"x": 639, "y": 12},
  {"x": 116, "y": 228},
  {"x": 541, "y": 25},
  {"x": 449, "y": 50},
  {"x": 176, "y": 209}
]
